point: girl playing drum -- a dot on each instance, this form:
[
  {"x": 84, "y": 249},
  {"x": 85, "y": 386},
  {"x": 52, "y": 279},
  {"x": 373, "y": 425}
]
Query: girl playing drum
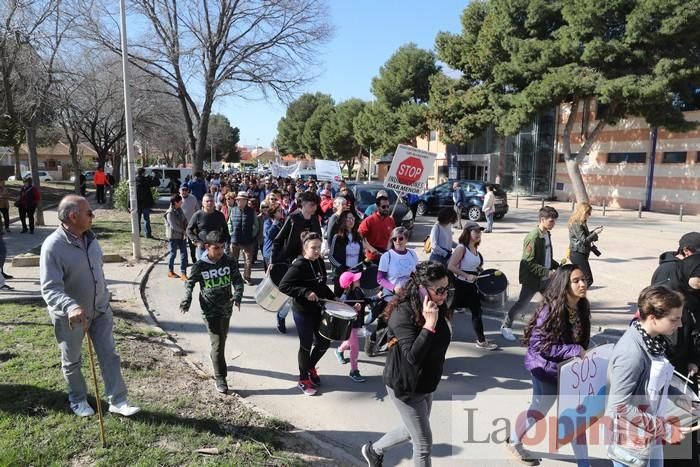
[
  {"x": 465, "y": 263},
  {"x": 305, "y": 282}
]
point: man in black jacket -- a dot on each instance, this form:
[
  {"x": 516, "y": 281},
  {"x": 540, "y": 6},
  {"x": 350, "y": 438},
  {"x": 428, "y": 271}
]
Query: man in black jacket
[
  {"x": 287, "y": 245},
  {"x": 206, "y": 220},
  {"x": 144, "y": 199}
]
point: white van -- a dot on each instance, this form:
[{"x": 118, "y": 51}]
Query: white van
[{"x": 166, "y": 173}]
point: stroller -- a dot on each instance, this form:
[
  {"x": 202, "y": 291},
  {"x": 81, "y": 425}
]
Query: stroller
[{"x": 376, "y": 341}]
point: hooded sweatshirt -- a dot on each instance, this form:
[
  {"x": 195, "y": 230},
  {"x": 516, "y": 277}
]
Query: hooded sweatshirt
[{"x": 215, "y": 281}]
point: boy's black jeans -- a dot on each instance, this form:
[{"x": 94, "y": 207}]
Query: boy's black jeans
[{"x": 218, "y": 330}]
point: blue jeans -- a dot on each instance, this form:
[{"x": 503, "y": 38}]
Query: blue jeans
[
  {"x": 146, "y": 213},
  {"x": 176, "y": 245},
  {"x": 489, "y": 222},
  {"x": 544, "y": 394},
  {"x": 656, "y": 460}
]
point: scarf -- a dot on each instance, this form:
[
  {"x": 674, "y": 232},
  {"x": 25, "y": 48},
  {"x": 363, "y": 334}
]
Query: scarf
[
  {"x": 656, "y": 346},
  {"x": 576, "y": 326}
]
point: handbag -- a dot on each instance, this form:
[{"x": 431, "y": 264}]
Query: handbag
[{"x": 630, "y": 444}]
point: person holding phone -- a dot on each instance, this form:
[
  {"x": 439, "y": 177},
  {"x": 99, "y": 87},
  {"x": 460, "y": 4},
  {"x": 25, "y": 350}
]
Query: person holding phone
[
  {"x": 419, "y": 338},
  {"x": 581, "y": 239},
  {"x": 558, "y": 331}
]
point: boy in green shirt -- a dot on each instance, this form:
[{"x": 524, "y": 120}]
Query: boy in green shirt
[{"x": 216, "y": 273}]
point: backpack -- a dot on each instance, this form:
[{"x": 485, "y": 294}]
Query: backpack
[{"x": 427, "y": 245}]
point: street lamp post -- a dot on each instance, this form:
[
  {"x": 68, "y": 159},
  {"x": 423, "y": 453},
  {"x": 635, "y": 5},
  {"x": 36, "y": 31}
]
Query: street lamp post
[{"x": 135, "y": 239}]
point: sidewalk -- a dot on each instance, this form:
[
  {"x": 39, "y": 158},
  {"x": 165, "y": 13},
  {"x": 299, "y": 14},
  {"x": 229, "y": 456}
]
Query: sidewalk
[{"x": 123, "y": 278}]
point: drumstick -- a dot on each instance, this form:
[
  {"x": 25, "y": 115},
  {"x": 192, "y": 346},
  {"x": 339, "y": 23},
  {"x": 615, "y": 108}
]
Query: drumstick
[
  {"x": 495, "y": 273},
  {"x": 695, "y": 428}
]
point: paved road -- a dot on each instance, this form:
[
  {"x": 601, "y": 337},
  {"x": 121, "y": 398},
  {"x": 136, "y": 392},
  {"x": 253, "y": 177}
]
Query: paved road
[{"x": 263, "y": 362}]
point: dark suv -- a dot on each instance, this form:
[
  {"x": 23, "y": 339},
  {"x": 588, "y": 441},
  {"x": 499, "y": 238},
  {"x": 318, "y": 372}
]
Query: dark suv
[{"x": 441, "y": 196}]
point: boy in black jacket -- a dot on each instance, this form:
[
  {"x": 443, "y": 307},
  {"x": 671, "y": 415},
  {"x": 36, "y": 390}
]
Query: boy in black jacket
[{"x": 215, "y": 273}]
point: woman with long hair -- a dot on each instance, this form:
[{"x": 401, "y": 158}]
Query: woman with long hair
[
  {"x": 305, "y": 282},
  {"x": 581, "y": 239},
  {"x": 346, "y": 250},
  {"x": 466, "y": 264},
  {"x": 558, "y": 331},
  {"x": 419, "y": 337},
  {"x": 441, "y": 236}
]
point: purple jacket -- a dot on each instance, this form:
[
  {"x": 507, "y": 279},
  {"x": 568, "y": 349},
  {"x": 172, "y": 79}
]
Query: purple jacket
[{"x": 544, "y": 364}]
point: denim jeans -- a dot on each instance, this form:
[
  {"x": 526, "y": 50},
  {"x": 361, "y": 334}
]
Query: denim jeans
[
  {"x": 146, "y": 213},
  {"x": 489, "y": 222},
  {"x": 176, "y": 245},
  {"x": 656, "y": 460},
  {"x": 415, "y": 415},
  {"x": 524, "y": 298},
  {"x": 544, "y": 394}
]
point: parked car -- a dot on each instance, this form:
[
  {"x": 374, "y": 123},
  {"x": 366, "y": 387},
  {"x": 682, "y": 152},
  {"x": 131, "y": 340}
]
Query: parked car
[
  {"x": 89, "y": 176},
  {"x": 366, "y": 194},
  {"x": 441, "y": 196},
  {"x": 43, "y": 176},
  {"x": 164, "y": 174}
]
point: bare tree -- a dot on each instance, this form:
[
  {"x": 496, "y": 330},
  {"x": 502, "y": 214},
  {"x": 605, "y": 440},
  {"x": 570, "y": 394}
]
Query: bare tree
[
  {"x": 203, "y": 50},
  {"x": 40, "y": 28}
]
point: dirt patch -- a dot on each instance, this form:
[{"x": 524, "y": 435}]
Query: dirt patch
[{"x": 155, "y": 373}]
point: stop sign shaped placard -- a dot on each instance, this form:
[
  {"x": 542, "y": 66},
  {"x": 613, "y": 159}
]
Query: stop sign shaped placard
[{"x": 409, "y": 171}]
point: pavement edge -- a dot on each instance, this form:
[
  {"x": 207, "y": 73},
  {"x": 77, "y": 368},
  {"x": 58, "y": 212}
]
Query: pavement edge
[{"x": 338, "y": 453}]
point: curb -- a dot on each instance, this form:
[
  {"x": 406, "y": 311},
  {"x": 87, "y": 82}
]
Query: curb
[{"x": 336, "y": 452}]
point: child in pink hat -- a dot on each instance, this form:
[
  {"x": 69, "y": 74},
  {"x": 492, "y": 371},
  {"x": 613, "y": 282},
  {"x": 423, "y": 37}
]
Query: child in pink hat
[{"x": 350, "y": 283}]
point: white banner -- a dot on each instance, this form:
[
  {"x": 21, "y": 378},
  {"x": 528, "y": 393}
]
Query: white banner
[
  {"x": 582, "y": 391},
  {"x": 410, "y": 169},
  {"x": 284, "y": 171},
  {"x": 328, "y": 170}
]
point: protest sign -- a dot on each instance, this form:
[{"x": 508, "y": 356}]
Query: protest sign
[{"x": 410, "y": 169}]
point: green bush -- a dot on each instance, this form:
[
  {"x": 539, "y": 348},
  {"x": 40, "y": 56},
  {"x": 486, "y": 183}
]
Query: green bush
[{"x": 121, "y": 195}]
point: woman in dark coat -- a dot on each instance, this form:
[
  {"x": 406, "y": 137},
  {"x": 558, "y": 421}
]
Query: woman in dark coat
[
  {"x": 419, "y": 338},
  {"x": 581, "y": 239}
]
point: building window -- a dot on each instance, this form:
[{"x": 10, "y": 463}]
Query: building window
[
  {"x": 50, "y": 164},
  {"x": 629, "y": 157},
  {"x": 443, "y": 171},
  {"x": 561, "y": 158},
  {"x": 433, "y": 135},
  {"x": 675, "y": 157}
]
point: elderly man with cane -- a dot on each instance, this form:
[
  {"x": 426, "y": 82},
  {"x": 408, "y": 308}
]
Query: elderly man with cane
[{"x": 74, "y": 288}]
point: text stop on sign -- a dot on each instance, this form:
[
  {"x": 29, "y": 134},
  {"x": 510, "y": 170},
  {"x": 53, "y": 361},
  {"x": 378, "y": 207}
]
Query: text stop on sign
[{"x": 409, "y": 171}]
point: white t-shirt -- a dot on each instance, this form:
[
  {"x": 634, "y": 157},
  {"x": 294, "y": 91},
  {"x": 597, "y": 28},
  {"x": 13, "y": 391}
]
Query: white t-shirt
[
  {"x": 470, "y": 262},
  {"x": 352, "y": 252},
  {"x": 397, "y": 267}
]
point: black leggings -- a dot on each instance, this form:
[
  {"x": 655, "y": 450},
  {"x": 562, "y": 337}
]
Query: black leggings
[
  {"x": 467, "y": 295},
  {"x": 581, "y": 260},
  {"x": 307, "y": 327}
]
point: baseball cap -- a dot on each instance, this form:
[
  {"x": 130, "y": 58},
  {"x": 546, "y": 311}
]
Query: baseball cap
[
  {"x": 690, "y": 240},
  {"x": 473, "y": 226},
  {"x": 348, "y": 278}
]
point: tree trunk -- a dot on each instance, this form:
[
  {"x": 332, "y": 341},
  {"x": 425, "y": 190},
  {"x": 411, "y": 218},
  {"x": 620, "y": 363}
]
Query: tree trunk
[
  {"x": 500, "y": 159},
  {"x": 117, "y": 165},
  {"x": 30, "y": 132},
  {"x": 18, "y": 166},
  {"x": 577, "y": 183},
  {"x": 75, "y": 161}
]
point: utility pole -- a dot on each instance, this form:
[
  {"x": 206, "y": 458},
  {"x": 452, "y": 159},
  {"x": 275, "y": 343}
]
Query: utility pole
[{"x": 135, "y": 238}]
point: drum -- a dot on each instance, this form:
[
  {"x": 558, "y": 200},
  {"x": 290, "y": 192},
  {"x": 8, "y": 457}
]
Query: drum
[
  {"x": 493, "y": 287},
  {"x": 368, "y": 281},
  {"x": 336, "y": 321},
  {"x": 267, "y": 295}
]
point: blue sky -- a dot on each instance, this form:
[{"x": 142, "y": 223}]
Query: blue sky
[{"x": 367, "y": 33}]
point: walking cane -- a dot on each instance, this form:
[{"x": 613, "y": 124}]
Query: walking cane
[{"x": 97, "y": 392}]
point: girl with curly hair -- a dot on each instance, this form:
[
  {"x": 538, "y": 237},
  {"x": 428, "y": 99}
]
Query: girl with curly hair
[
  {"x": 420, "y": 335},
  {"x": 558, "y": 331}
]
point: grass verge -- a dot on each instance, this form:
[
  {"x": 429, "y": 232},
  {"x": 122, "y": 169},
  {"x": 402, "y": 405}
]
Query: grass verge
[{"x": 181, "y": 411}]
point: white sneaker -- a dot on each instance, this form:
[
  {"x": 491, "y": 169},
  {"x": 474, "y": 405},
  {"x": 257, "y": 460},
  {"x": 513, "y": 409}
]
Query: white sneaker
[
  {"x": 124, "y": 409},
  {"x": 82, "y": 409},
  {"x": 507, "y": 333}
]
